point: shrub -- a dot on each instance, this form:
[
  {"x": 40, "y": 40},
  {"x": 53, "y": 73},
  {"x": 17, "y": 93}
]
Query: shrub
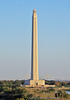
[
  {"x": 29, "y": 95},
  {"x": 65, "y": 95},
  {"x": 51, "y": 90}
]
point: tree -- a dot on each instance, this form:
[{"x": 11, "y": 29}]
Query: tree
[{"x": 57, "y": 84}]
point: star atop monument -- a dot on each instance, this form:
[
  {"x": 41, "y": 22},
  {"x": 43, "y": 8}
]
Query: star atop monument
[{"x": 34, "y": 10}]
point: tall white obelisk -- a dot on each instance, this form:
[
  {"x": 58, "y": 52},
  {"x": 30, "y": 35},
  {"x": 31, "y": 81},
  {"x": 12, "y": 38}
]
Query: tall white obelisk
[
  {"x": 34, "y": 62},
  {"x": 34, "y": 67}
]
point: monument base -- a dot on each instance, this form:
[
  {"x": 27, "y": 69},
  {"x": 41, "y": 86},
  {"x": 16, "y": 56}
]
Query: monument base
[{"x": 34, "y": 83}]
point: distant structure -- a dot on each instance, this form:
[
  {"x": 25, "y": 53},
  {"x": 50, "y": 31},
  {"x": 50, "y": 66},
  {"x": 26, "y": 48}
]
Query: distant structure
[{"x": 34, "y": 81}]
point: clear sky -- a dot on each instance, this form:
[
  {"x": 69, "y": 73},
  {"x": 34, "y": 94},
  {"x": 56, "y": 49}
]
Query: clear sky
[{"x": 53, "y": 38}]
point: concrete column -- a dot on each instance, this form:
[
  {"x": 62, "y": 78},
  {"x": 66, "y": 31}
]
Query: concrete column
[{"x": 34, "y": 66}]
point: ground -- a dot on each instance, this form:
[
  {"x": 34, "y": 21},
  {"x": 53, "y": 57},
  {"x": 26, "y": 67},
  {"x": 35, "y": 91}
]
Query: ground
[{"x": 45, "y": 92}]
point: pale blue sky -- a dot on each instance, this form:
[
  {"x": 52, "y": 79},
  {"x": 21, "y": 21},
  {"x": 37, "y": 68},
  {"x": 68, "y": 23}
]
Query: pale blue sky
[{"x": 53, "y": 38}]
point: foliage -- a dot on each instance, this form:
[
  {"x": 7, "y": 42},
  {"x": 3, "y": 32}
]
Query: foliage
[
  {"x": 51, "y": 82},
  {"x": 57, "y": 84},
  {"x": 51, "y": 90},
  {"x": 12, "y": 89},
  {"x": 29, "y": 95},
  {"x": 61, "y": 94},
  {"x": 63, "y": 83},
  {"x": 65, "y": 95}
]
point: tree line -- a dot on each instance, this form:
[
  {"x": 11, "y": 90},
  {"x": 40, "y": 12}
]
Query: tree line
[{"x": 58, "y": 83}]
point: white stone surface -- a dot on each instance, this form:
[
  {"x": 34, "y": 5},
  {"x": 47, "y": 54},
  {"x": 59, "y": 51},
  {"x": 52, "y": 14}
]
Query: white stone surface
[{"x": 34, "y": 66}]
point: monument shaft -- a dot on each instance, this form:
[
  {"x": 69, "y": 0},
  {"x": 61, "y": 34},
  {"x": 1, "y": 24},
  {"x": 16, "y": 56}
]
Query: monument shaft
[
  {"x": 34, "y": 81},
  {"x": 34, "y": 69}
]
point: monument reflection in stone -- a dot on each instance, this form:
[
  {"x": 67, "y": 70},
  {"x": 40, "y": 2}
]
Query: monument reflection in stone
[{"x": 34, "y": 66}]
